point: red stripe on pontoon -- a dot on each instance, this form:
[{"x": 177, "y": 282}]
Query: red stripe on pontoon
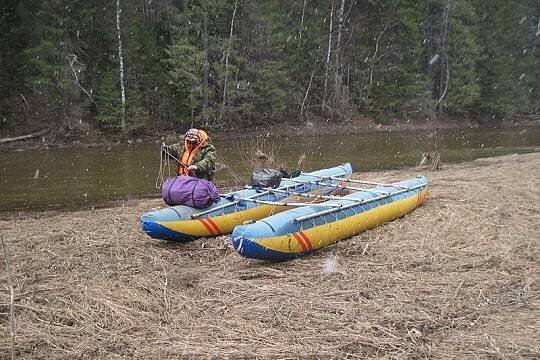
[
  {"x": 213, "y": 225},
  {"x": 300, "y": 241},
  {"x": 306, "y": 239},
  {"x": 207, "y": 226}
]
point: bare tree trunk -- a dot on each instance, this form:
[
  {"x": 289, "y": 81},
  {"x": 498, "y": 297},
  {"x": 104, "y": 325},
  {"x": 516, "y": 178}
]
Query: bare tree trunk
[
  {"x": 350, "y": 8},
  {"x": 307, "y": 92},
  {"x": 301, "y": 23},
  {"x": 206, "y": 65},
  {"x": 144, "y": 9},
  {"x": 338, "y": 45},
  {"x": 121, "y": 64},
  {"x": 535, "y": 42},
  {"x": 328, "y": 55},
  {"x": 431, "y": 45},
  {"x": 227, "y": 62},
  {"x": 442, "y": 93},
  {"x": 438, "y": 69},
  {"x": 191, "y": 102},
  {"x": 374, "y": 60}
]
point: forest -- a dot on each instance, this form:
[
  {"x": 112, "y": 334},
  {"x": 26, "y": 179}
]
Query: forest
[{"x": 125, "y": 66}]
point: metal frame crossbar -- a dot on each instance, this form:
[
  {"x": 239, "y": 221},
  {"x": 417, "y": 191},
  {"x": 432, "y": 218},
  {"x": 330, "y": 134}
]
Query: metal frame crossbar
[
  {"x": 236, "y": 201},
  {"x": 357, "y": 181},
  {"x": 277, "y": 203},
  {"x": 322, "y": 183},
  {"x": 344, "y": 207},
  {"x": 233, "y": 203},
  {"x": 314, "y": 196}
]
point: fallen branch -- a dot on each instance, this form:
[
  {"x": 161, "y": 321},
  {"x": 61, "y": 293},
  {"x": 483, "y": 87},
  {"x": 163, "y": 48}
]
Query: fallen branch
[
  {"x": 24, "y": 99},
  {"x": 432, "y": 160},
  {"x": 25, "y": 137},
  {"x": 72, "y": 58}
]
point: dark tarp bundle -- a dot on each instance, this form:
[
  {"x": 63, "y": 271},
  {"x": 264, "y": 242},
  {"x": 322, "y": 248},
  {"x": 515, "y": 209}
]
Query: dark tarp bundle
[{"x": 265, "y": 178}]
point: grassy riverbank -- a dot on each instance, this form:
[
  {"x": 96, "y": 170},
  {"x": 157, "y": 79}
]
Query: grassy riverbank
[{"x": 457, "y": 278}]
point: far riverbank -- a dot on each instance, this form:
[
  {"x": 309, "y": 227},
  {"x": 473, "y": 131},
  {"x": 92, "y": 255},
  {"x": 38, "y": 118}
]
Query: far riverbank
[{"x": 83, "y": 134}]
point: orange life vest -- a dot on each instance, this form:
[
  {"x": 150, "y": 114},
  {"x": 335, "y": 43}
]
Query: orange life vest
[{"x": 188, "y": 154}]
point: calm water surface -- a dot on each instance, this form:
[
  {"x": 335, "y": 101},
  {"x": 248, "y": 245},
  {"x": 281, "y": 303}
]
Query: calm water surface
[{"x": 83, "y": 177}]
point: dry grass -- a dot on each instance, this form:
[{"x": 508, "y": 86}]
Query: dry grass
[{"x": 457, "y": 278}]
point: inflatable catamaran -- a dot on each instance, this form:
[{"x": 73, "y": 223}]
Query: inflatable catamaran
[
  {"x": 304, "y": 229},
  {"x": 182, "y": 223}
]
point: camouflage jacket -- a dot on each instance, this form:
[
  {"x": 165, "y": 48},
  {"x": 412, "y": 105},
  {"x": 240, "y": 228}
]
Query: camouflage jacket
[{"x": 204, "y": 159}]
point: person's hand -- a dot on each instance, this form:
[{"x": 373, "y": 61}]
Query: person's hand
[{"x": 192, "y": 168}]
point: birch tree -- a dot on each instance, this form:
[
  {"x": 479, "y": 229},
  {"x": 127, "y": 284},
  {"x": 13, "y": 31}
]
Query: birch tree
[
  {"x": 444, "y": 70},
  {"x": 206, "y": 64},
  {"x": 121, "y": 65},
  {"x": 338, "y": 50},
  {"x": 328, "y": 56}
]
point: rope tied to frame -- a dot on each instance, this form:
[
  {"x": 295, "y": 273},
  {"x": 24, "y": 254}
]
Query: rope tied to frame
[{"x": 164, "y": 162}]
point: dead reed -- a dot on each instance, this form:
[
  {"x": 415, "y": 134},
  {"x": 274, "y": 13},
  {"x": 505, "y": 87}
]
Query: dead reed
[{"x": 457, "y": 278}]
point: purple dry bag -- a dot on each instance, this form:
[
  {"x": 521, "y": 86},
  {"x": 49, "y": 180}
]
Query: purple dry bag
[{"x": 189, "y": 191}]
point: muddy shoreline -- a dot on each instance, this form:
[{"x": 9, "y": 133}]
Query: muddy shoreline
[{"x": 456, "y": 278}]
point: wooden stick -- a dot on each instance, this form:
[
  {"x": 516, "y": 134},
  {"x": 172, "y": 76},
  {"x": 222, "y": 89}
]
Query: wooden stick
[{"x": 12, "y": 297}]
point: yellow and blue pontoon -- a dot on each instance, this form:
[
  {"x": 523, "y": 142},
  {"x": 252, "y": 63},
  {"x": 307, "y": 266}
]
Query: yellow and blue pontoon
[
  {"x": 305, "y": 229},
  {"x": 181, "y": 223}
]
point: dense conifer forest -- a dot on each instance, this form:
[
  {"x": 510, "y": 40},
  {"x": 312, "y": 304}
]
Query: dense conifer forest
[{"x": 126, "y": 65}]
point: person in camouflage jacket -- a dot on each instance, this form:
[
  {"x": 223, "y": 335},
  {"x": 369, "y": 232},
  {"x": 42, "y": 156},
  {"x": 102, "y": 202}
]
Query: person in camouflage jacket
[{"x": 197, "y": 157}]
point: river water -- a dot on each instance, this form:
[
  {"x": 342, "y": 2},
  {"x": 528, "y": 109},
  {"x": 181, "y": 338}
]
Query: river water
[{"x": 82, "y": 177}]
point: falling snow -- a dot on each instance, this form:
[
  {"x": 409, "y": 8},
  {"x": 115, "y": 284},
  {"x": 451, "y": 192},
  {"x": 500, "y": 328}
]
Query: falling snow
[{"x": 329, "y": 265}]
